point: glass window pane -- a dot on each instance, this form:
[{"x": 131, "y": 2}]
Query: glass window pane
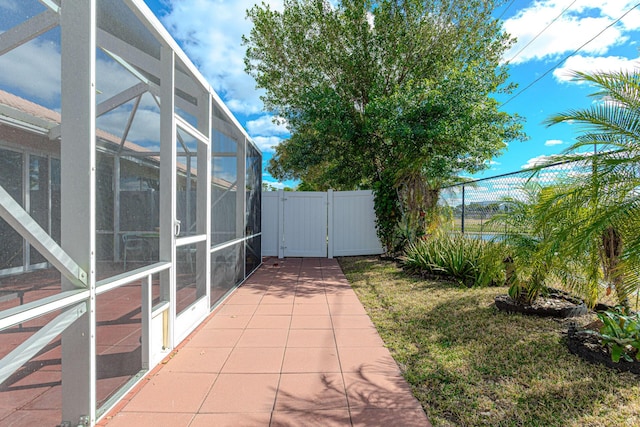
[
  {"x": 253, "y": 257},
  {"x": 187, "y": 94},
  {"x": 55, "y": 200},
  {"x": 27, "y": 287},
  {"x": 227, "y": 270},
  {"x": 253, "y": 190},
  {"x": 186, "y": 182},
  {"x": 32, "y": 395},
  {"x": 118, "y": 339},
  {"x": 104, "y": 212},
  {"x": 186, "y": 278},
  {"x": 139, "y": 213},
  {"x": 11, "y": 249},
  {"x": 39, "y": 198},
  {"x": 104, "y": 192},
  {"x": 224, "y": 191},
  {"x": 31, "y": 70}
]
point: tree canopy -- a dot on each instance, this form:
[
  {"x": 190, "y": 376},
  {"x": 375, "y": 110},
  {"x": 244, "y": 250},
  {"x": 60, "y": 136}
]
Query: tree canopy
[{"x": 372, "y": 92}]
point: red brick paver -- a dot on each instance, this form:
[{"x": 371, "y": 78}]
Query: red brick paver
[{"x": 293, "y": 346}]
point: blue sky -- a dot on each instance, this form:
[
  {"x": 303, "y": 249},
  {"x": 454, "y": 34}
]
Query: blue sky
[{"x": 210, "y": 32}]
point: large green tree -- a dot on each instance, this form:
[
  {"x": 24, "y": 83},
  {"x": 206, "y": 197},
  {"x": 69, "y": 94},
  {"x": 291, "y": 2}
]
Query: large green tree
[{"x": 390, "y": 95}]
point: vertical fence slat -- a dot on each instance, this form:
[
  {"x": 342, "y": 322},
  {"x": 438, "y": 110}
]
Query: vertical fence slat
[{"x": 349, "y": 224}]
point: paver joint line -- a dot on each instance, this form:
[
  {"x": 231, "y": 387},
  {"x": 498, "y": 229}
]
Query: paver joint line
[{"x": 292, "y": 346}]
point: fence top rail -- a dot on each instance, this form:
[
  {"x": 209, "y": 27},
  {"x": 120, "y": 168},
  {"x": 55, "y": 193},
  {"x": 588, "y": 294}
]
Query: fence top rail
[{"x": 523, "y": 171}]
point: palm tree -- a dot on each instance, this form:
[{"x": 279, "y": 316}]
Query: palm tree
[{"x": 604, "y": 205}]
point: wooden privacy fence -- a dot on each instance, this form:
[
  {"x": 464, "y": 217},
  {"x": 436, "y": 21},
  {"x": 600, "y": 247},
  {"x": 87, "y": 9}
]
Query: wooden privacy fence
[{"x": 318, "y": 224}]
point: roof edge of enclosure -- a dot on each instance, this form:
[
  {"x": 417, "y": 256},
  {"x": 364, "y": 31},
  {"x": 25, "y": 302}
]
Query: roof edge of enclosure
[{"x": 162, "y": 32}]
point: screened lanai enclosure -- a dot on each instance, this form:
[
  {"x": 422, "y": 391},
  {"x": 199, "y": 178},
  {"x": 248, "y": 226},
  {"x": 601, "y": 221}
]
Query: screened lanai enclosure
[{"x": 130, "y": 203}]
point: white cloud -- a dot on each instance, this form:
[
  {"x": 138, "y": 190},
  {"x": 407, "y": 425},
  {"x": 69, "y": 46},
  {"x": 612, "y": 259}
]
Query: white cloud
[
  {"x": 265, "y": 133},
  {"x": 552, "y": 142},
  {"x": 537, "y": 161},
  {"x": 493, "y": 192},
  {"x": 33, "y": 68},
  {"x": 264, "y": 125},
  {"x": 247, "y": 105},
  {"x": 211, "y": 34},
  {"x": 145, "y": 126},
  {"x": 9, "y": 5},
  {"x": 582, "y": 21},
  {"x": 559, "y": 169},
  {"x": 509, "y": 182},
  {"x": 267, "y": 143},
  {"x": 112, "y": 78},
  {"x": 589, "y": 64},
  {"x": 275, "y": 184}
]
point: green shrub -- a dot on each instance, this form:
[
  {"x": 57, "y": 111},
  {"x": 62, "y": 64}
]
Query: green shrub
[
  {"x": 471, "y": 262},
  {"x": 621, "y": 333}
]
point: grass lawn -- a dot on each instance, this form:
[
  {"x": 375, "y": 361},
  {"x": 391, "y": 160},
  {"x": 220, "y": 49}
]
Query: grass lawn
[
  {"x": 476, "y": 225},
  {"x": 471, "y": 365}
]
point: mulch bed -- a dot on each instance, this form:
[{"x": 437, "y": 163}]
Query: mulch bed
[
  {"x": 555, "y": 304},
  {"x": 587, "y": 345}
]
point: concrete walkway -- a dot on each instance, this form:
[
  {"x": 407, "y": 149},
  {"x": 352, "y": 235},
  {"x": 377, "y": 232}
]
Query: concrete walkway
[{"x": 293, "y": 346}]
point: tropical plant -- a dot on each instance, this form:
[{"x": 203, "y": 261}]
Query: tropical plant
[
  {"x": 620, "y": 333},
  {"x": 413, "y": 211},
  {"x": 383, "y": 94},
  {"x": 470, "y": 262},
  {"x": 603, "y": 205},
  {"x": 528, "y": 238}
]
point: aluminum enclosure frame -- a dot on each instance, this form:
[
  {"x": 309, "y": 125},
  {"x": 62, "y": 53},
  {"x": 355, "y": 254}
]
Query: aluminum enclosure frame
[{"x": 186, "y": 103}]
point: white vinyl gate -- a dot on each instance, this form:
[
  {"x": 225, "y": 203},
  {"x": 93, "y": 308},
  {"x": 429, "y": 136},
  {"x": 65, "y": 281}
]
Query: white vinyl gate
[{"x": 318, "y": 224}]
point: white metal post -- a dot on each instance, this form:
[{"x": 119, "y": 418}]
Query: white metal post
[
  {"x": 281, "y": 236},
  {"x": 78, "y": 163},
  {"x": 26, "y": 200},
  {"x": 147, "y": 339},
  {"x": 168, "y": 189},
  {"x": 116, "y": 208},
  {"x": 49, "y": 196},
  {"x": 330, "y": 238},
  {"x": 187, "y": 190},
  {"x": 244, "y": 207},
  {"x": 203, "y": 220},
  {"x": 240, "y": 190}
]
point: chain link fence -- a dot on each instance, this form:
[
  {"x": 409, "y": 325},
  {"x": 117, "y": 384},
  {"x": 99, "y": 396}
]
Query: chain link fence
[{"x": 473, "y": 203}]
